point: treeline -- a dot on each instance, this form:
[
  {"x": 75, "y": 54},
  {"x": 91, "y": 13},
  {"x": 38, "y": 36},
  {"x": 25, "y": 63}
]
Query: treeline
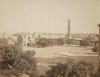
[
  {"x": 47, "y": 42},
  {"x": 44, "y": 42}
]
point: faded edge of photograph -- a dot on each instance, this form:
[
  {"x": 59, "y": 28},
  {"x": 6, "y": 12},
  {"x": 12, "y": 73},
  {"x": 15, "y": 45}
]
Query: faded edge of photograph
[{"x": 49, "y": 38}]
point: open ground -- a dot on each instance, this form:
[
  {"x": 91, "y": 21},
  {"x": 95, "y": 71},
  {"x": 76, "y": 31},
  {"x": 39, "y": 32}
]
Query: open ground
[{"x": 59, "y": 54}]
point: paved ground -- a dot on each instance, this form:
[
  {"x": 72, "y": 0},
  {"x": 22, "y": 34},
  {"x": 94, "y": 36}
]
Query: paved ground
[{"x": 62, "y": 51}]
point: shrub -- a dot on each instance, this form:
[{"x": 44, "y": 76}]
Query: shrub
[
  {"x": 45, "y": 42},
  {"x": 58, "y": 70},
  {"x": 9, "y": 53},
  {"x": 26, "y": 63},
  {"x": 70, "y": 41},
  {"x": 29, "y": 54},
  {"x": 83, "y": 69},
  {"x": 71, "y": 69},
  {"x": 21, "y": 62},
  {"x": 61, "y": 69},
  {"x": 84, "y": 43},
  {"x": 61, "y": 41},
  {"x": 42, "y": 42},
  {"x": 95, "y": 49}
]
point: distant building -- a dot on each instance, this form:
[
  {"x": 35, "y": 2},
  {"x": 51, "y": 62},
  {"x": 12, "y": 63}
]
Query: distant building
[
  {"x": 92, "y": 39},
  {"x": 52, "y": 35},
  {"x": 76, "y": 41},
  {"x": 95, "y": 41},
  {"x": 28, "y": 39},
  {"x": 11, "y": 38}
]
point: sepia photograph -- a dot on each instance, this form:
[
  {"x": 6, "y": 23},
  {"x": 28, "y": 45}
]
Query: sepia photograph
[{"x": 49, "y": 38}]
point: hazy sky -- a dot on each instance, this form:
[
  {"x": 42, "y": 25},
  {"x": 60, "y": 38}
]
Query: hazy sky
[{"x": 49, "y": 15}]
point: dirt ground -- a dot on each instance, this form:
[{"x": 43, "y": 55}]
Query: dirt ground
[
  {"x": 59, "y": 54},
  {"x": 45, "y": 63},
  {"x": 61, "y": 51}
]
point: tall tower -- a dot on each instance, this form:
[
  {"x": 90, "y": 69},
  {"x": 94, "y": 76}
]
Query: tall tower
[{"x": 69, "y": 30}]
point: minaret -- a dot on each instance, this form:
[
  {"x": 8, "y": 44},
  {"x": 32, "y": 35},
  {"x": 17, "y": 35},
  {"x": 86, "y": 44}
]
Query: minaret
[
  {"x": 98, "y": 73},
  {"x": 69, "y": 30}
]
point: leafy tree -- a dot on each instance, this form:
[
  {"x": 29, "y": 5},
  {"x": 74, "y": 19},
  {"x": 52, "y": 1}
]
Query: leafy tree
[
  {"x": 83, "y": 69},
  {"x": 89, "y": 39},
  {"x": 61, "y": 69},
  {"x": 71, "y": 69},
  {"x": 9, "y": 53},
  {"x": 84, "y": 43},
  {"x": 20, "y": 62},
  {"x": 61, "y": 41},
  {"x": 95, "y": 49},
  {"x": 26, "y": 63},
  {"x": 69, "y": 41},
  {"x": 42, "y": 42},
  {"x": 45, "y": 42},
  {"x": 50, "y": 42},
  {"x": 54, "y": 41},
  {"x": 58, "y": 70}
]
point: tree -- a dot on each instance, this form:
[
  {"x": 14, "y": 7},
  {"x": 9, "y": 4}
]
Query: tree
[
  {"x": 61, "y": 41},
  {"x": 69, "y": 41},
  {"x": 26, "y": 63},
  {"x": 58, "y": 70},
  {"x": 83, "y": 69},
  {"x": 88, "y": 39},
  {"x": 71, "y": 69},
  {"x": 19, "y": 61},
  {"x": 9, "y": 53},
  {"x": 50, "y": 42},
  {"x": 42, "y": 42},
  {"x": 83, "y": 43},
  {"x": 61, "y": 69},
  {"x": 95, "y": 49}
]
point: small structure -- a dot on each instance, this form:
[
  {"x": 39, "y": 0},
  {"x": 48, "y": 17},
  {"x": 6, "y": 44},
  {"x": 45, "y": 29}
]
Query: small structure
[
  {"x": 76, "y": 41},
  {"x": 95, "y": 41}
]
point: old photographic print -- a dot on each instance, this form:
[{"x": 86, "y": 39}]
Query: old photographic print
[{"x": 49, "y": 38}]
